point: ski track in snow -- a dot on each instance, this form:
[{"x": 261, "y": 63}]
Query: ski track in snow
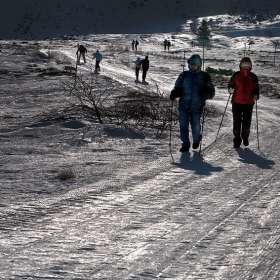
[{"x": 136, "y": 210}]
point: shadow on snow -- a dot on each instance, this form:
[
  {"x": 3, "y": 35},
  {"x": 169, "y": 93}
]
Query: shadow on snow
[
  {"x": 250, "y": 157},
  {"x": 197, "y": 164}
]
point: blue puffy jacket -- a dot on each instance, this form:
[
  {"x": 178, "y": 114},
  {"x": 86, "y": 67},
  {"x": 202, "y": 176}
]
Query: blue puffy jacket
[{"x": 195, "y": 87}]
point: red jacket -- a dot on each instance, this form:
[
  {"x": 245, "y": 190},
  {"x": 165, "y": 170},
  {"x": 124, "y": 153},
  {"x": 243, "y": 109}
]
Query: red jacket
[{"x": 245, "y": 84}]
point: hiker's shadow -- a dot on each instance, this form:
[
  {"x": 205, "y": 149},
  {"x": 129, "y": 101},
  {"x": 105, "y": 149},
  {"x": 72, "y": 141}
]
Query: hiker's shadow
[
  {"x": 197, "y": 164},
  {"x": 249, "y": 157},
  {"x": 141, "y": 82}
]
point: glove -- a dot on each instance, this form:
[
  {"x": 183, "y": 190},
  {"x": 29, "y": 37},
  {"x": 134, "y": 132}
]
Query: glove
[
  {"x": 256, "y": 97},
  {"x": 231, "y": 90},
  {"x": 172, "y": 96}
]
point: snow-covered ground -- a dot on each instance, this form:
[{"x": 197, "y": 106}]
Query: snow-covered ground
[{"x": 137, "y": 208}]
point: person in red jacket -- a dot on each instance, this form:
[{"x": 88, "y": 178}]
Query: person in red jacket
[{"x": 244, "y": 87}]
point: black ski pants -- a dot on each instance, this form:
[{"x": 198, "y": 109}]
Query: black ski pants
[
  {"x": 137, "y": 72},
  {"x": 242, "y": 116},
  {"x": 97, "y": 65},
  {"x": 144, "y": 74}
]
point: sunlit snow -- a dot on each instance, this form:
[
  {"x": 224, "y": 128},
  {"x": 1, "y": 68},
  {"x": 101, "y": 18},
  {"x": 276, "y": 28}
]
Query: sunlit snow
[{"x": 137, "y": 208}]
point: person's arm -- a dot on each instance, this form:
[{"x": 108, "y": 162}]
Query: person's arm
[{"x": 232, "y": 85}]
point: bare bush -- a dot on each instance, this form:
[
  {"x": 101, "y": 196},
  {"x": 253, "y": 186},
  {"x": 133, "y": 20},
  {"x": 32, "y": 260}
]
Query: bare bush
[
  {"x": 114, "y": 103},
  {"x": 59, "y": 57}
]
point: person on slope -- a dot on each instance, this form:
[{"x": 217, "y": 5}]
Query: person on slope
[
  {"x": 145, "y": 67},
  {"x": 136, "y": 44},
  {"x": 81, "y": 52},
  {"x": 137, "y": 67},
  {"x": 244, "y": 88},
  {"x": 194, "y": 87},
  {"x": 98, "y": 57}
]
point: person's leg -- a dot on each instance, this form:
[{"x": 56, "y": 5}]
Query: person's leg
[
  {"x": 98, "y": 65},
  {"x": 84, "y": 56},
  {"x": 184, "y": 128},
  {"x": 196, "y": 128},
  {"x": 79, "y": 57},
  {"x": 246, "y": 123},
  {"x": 237, "y": 120},
  {"x": 144, "y": 74},
  {"x": 137, "y": 73}
]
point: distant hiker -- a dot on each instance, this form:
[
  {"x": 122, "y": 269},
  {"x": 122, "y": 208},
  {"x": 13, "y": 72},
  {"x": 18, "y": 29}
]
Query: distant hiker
[
  {"x": 136, "y": 44},
  {"x": 98, "y": 57},
  {"x": 194, "y": 87},
  {"x": 168, "y": 45},
  {"x": 132, "y": 45},
  {"x": 137, "y": 67},
  {"x": 244, "y": 88},
  {"x": 145, "y": 67},
  {"x": 81, "y": 52},
  {"x": 165, "y": 44}
]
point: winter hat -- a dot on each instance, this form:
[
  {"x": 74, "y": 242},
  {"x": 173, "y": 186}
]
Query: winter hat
[
  {"x": 195, "y": 60},
  {"x": 245, "y": 61}
]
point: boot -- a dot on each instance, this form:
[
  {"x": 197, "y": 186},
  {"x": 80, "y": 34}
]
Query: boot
[
  {"x": 195, "y": 145},
  {"x": 237, "y": 141},
  {"x": 245, "y": 138},
  {"x": 184, "y": 149}
]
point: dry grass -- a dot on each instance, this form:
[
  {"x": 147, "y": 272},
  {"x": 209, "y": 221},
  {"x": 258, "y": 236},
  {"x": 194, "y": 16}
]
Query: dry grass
[{"x": 67, "y": 174}]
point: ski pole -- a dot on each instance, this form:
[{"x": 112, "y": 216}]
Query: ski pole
[
  {"x": 202, "y": 126},
  {"x": 222, "y": 119},
  {"x": 171, "y": 118},
  {"x": 257, "y": 124}
]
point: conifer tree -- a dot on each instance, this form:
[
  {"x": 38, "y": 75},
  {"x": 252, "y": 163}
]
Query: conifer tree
[{"x": 204, "y": 35}]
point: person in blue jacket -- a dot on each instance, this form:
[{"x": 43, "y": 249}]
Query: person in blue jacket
[{"x": 193, "y": 87}]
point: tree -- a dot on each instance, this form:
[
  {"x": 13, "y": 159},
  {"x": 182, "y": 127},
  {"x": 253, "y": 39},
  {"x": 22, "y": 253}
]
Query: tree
[{"x": 204, "y": 35}]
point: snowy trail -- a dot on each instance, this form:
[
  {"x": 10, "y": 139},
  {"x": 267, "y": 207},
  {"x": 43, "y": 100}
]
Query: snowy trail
[
  {"x": 152, "y": 219},
  {"x": 182, "y": 214},
  {"x": 174, "y": 213},
  {"x": 135, "y": 209}
]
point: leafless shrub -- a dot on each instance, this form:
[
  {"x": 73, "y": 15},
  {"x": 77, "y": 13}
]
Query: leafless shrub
[
  {"x": 59, "y": 57},
  {"x": 114, "y": 103},
  {"x": 143, "y": 110}
]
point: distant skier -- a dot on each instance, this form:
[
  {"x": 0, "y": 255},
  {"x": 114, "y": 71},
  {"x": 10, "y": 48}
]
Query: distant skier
[
  {"x": 165, "y": 44},
  {"x": 98, "y": 57},
  {"x": 132, "y": 44},
  {"x": 168, "y": 45},
  {"x": 81, "y": 52},
  {"x": 244, "y": 87},
  {"x": 136, "y": 44},
  {"x": 137, "y": 67},
  {"x": 193, "y": 87},
  {"x": 145, "y": 67}
]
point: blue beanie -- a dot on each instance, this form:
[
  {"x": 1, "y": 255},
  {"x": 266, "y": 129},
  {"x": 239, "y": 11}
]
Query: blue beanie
[{"x": 195, "y": 60}]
